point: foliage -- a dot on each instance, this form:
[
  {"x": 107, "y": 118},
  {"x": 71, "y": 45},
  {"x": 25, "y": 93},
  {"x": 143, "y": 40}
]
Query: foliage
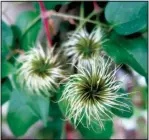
[
  {"x": 124, "y": 25},
  {"x": 28, "y": 37},
  {"x": 7, "y": 39},
  {"x": 25, "y": 110},
  {"x": 127, "y": 17},
  {"x": 128, "y": 51}
]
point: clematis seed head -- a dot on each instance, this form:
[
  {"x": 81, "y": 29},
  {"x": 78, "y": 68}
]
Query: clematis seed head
[
  {"x": 41, "y": 71},
  {"x": 92, "y": 92},
  {"x": 82, "y": 46}
]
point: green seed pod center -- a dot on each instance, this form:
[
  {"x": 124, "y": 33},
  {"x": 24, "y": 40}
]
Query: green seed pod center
[
  {"x": 87, "y": 47},
  {"x": 41, "y": 67}
]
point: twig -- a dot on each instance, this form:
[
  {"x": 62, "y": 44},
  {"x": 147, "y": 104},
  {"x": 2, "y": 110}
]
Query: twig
[
  {"x": 52, "y": 13},
  {"x": 12, "y": 53},
  {"x": 45, "y": 21},
  {"x": 96, "y": 7}
]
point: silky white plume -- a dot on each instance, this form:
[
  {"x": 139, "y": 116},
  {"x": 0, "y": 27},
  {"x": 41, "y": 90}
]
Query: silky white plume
[
  {"x": 92, "y": 92},
  {"x": 82, "y": 46},
  {"x": 41, "y": 71}
]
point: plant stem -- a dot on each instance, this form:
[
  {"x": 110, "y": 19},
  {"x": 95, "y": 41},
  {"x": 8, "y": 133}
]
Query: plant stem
[
  {"x": 78, "y": 18},
  {"x": 13, "y": 52},
  {"x": 12, "y": 81},
  {"x": 45, "y": 22},
  {"x": 67, "y": 16},
  {"x": 82, "y": 23},
  {"x": 63, "y": 134},
  {"x": 31, "y": 25},
  {"x": 82, "y": 10},
  {"x": 96, "y": 7}
]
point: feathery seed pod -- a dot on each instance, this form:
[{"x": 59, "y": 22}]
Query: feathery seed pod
[
  {"x": 82, "y": 46},
  {"x": 41, "y": 71},
  {"x": 92, "y": 92}
]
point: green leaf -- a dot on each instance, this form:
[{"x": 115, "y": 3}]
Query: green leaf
[
  {"x": 127, "y": 17},
  {"x": 88, "y": 133},
  {"x": 128, "y": 51},
  {"x": 28, "y": 36},
  {"x": 40, "y": 107},
  {"x": 55, "y": 112},
  {"x": 128, "y": 113},
  {"x": 49, "y": 4},
  {"x": 20, "y": 116},
  {"x": 6, "y": 91},
  {"x": 24, "y": 110},
  {"x": 54, "y": 129},
  {"x": 17, "y": 35},
  {"x": 144, "y": 91},
  {"x": 7, "y": 68},
  {"x": 97, "y": 134},
  {"x": 7, "y": 38}
]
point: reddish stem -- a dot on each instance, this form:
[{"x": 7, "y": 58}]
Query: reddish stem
[
  {"x": 45, "y": 21},
  {"x": 69, "y": 130},
  {"x": 96, "y": 7}
]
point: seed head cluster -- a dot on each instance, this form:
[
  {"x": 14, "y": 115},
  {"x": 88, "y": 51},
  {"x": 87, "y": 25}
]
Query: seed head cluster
[{"x": 91, "y": 92}]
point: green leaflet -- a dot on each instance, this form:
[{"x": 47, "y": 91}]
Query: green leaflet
[
  {"x": 7, "y": 68},
  {"x": 23, "y": 22},
  {"x": 24, "y": 110},
  {"x": 6, "y": 90},
  {"x": 127, "y": 17},
  {"x": 128, "y": 51},
  {"x": 7, "y": 39}
]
